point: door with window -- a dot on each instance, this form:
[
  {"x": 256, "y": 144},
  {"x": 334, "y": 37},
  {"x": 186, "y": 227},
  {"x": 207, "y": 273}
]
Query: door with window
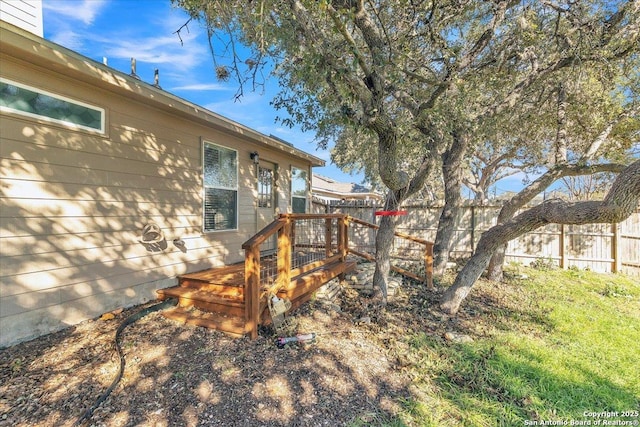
[{"x": 266, "y": 203}]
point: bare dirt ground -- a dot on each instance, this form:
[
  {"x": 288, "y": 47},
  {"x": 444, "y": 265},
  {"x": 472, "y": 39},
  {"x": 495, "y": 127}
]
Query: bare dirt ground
[{"x": 356, "y": 373}]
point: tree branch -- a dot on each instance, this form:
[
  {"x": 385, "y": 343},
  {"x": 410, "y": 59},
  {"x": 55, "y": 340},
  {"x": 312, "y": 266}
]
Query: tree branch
[{"x": 621, "y": 201}]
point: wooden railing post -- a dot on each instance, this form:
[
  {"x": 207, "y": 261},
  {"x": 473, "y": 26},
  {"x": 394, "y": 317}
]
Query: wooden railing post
[
  {"x": 343, "y": 237},
  {"x": 343, "y": 242},
  {"x": 252, "y": 290},
  {"x": 284, "y": 253},
  {"x": 328, "y": 234},
  {"x": 428, "y": 264}
]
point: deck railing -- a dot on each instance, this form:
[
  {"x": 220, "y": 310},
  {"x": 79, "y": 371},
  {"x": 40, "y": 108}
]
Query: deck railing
[
  {"x": 410, "y": 256},
  {"x": 306, "y": 242}
]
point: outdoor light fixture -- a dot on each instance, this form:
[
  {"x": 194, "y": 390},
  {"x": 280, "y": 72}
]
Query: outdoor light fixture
[{"x": 255, "y": 157}]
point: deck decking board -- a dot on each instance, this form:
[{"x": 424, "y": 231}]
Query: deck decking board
[
  {"x": 217, "y": 294},
  {"x": 306, "y": 257}
]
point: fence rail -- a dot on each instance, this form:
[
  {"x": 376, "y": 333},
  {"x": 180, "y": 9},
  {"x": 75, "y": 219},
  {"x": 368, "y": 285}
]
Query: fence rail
[{"x": 599, "y": 247}]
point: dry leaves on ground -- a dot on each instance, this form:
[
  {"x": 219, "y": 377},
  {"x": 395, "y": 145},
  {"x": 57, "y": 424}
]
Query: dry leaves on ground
[{"x": 355, "y": 372}]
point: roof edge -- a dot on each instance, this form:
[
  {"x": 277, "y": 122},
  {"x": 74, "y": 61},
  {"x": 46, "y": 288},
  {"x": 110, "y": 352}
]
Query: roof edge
[{"x": 45, "y": 52}]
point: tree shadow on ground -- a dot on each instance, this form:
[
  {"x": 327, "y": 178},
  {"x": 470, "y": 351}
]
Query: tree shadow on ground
[{"x": 180, "y": 375}]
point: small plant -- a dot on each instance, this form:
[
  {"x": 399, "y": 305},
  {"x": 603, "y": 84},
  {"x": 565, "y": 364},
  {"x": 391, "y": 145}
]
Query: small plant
[
  {"x": 612, "y": 290},
  {"x": 576, "y": 273},
  {"x": 515, "y": 266},
  {"x": 543, "y": 264},
  {"x": 17, "y": 365}
]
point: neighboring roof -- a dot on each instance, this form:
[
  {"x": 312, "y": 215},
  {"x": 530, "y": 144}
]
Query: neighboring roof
[
  {"x": 324, "y": 186},
  {"x": 38, "y": 51}
]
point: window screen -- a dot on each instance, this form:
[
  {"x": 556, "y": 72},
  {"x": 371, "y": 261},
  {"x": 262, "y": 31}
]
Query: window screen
[
  {"x": 299, "y": 179},
  {"x": 220, "y": 174}
]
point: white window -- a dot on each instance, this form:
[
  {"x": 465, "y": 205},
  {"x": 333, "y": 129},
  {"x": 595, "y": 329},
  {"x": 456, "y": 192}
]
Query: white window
[
  {"x": 31, "y": 102},
  {"x": 299, "y": 188},
  {"x": 220, "y": 175}
]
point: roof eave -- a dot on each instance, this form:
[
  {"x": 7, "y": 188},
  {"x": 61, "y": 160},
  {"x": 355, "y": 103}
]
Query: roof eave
[{"x": 27, "y": 46}]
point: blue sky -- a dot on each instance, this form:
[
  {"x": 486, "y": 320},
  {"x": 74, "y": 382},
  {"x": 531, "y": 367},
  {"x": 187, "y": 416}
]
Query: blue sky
[{"x": 144, "y": 29}]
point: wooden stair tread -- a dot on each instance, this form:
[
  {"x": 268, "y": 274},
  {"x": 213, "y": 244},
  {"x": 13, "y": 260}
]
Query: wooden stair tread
[
  {"x": 227, "y": 271},
  {"x": 201, "y": 295},
  {"x": 229, "y": 324},
  {"x": 234, "y": 279},
  {"x": 226, "y": 290}
]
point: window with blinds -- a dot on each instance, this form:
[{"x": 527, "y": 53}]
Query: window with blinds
[
  {"x": 220, "y": 175},
  {"x": 299, "y": 188}
]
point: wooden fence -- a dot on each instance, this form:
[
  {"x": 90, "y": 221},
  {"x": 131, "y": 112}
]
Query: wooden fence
[{"x": 604, "y": 248}]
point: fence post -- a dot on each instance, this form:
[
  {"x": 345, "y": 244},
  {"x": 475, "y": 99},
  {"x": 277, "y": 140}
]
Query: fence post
[
  {"x": 563, "y": 255},
  {"x": 343, "y": 237},
  {"x": 616, "y": 265},
  {"x": 328, "y": 234},
  {"x": 428, "y": 265}
]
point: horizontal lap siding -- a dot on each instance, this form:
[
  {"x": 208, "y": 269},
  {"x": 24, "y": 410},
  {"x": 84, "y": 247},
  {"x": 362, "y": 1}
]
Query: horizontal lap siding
[{"x": 73, "y": 205}]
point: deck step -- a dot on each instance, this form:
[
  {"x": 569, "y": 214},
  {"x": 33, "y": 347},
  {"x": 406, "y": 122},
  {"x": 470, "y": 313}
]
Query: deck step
[
  {"x": 231, "y": 276},
  {"x": 204, "y": 300},
  {"x": 232, "y": 325},
  {"x": 224, "y": 290},
  {"x": 307, "y": 283}
]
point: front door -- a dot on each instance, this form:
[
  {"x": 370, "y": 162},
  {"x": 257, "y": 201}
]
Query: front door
[{"x": 266, "y": 203}]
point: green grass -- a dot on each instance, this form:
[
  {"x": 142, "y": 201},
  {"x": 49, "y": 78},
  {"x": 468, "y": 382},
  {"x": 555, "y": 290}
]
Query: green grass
[{"x": 554, "y": 344}]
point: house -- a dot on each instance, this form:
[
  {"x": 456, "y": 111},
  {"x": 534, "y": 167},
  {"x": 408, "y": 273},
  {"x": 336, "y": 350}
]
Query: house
[
  {"x": 328, "y": 189},
  {"x": 111, "y": 187}
]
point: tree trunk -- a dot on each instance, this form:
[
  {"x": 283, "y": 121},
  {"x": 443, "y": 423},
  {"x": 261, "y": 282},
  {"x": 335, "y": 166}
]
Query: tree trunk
[
  {"x": 453, "y": 174},
  {"x": 384, "y": 243},
  {"x": 385, "y": 234},
  {"x": 620, "y": 202},
  {"x": 527, "y": 194},
  {"x": 494, "y": 270}
]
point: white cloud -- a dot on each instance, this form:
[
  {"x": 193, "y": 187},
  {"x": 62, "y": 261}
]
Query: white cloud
[
  {"x": 202, "y": 87},
  {"x": 67, "y": 38},
  {"x": 74, "y": 24},
  {"x": 157, "y": 50},
  {"x": 85, "y": 10}
]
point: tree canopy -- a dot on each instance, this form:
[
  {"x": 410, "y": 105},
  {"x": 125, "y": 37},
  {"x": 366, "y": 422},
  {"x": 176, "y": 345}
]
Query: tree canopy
[{"x": 410, "y": 86}]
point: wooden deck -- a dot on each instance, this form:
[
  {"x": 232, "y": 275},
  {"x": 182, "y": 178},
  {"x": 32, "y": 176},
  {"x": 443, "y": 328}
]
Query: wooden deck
[
  {"x": 311, "y": 250},
  {"x": 214, "y": 298}
]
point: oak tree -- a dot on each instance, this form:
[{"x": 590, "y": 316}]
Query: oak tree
[{"x": 416, "y": 76}]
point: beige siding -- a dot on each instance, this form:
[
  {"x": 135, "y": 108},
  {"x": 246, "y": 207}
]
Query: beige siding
[{"x": 74, "y": 203}]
